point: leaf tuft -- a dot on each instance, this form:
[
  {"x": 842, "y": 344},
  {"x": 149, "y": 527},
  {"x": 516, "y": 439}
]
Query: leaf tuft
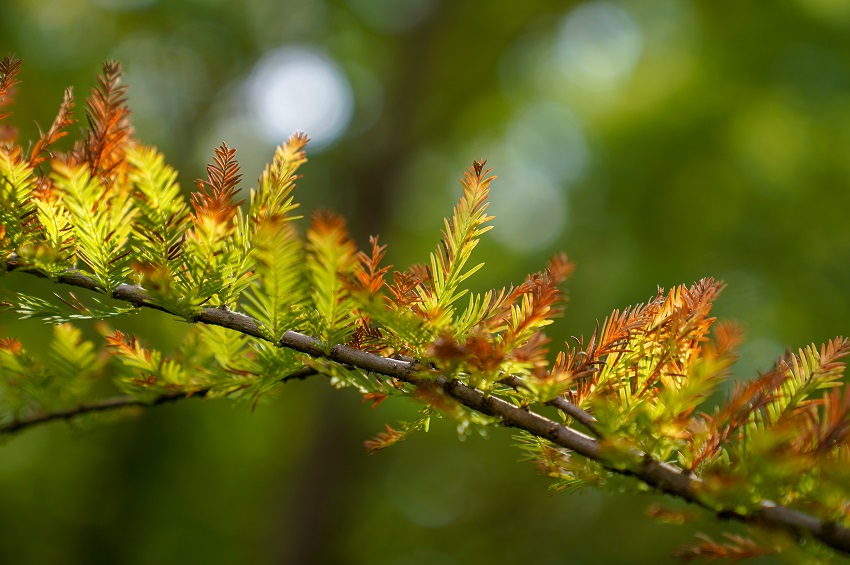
[{"x": 109, "y": 124}]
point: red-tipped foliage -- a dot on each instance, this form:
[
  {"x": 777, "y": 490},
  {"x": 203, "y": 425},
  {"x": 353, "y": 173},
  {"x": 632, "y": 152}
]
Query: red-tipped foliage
[
  {"x": 735, "y": 549},
  {"x": 109, "y": 123},
  {"x": 215, "y": 196},
  {"x": 64, "y": 118},
  {"x": 829, "y": 425},
  {"x": 583, "y": 363},
  {"x": 745, "y": 400},
  {"x": 403, "y": 289},
  {"x": 543, "y": 289},
  {"x": 9, "y": 68},
  {"x": 371, "y": 277},
  {"x": 383, "y": 440}
]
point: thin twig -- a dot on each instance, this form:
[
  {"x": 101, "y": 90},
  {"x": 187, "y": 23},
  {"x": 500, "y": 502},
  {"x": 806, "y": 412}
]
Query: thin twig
[
  {"x": 577, "y": 413},
  {"x": 118, "y": 402},
  {"x": 659, "y": 475},
  {"x": 114, "y": 403},
  {"x": 562, "y": 404}
]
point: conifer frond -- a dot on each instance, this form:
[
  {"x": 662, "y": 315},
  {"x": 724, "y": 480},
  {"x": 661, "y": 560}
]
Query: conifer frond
[
  {"x": 537, "y": 306},
  {"x": 807, "y": 372},
  {"x": 214, "y": 199},
  {"x": 367, "y": 284},
  {"x": 21, "y": 379},
  {"x": 705, "y": 372},
  {"x": 605, "y": 347},
  {"x": 53, "y": 249},
  {"x": 660, "y": 353},
  {"x": 147, "y": 372},
  {"x": 734, "y": 549},
  {"x": 827, "y": 423},
  {"x": 460, "y": 237},
  {"x": 219, "y": 260},
  {"x": 109, "y": 124},
  {"x": 210, "y": 362},
  {"x": 500, "y": 333},
  {"x": 404, "y": 330},
  {"x": 64, "y": 118},
  {"x": 272, "y": 365},
  {"x": 229, "y": 361},
  {"x": 331, "y": 261},
  {"x": 161, "y": 223},
  {"x": 383, "y": 440},
  {"x": 393, "y": 436},
  {"x": 17, "y": 210},
  {"x": 68, "y": 309},
  {"x": 367, "y": 336},
  {"x": 679, "y": 330},
  {"x": 727, "y": 337},
  {"x": 273, "y": 201},
  {"x": 745, "y": 402},
  {"x": 572, "y": 474},
  {"x": 646, "y": 370},
  {"x": 277, "y": 299},
  {"x": 60, "y": 376},
  {"x": 402, "y": 291},
  {"x": 70, "y": 361},
  {"x": 480, "y": 307},
  {"x": 102, "y": 219},
  {"x": 370, "y": 277},
  {"x": 776, "y": 402},
  {"x": 9, "y": 68}
]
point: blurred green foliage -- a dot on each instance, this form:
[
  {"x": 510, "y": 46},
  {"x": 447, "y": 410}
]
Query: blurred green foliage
[{"x": 656, "y": 142}]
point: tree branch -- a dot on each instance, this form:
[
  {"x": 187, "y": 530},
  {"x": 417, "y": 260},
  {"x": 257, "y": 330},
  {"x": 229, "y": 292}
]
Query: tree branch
[
  {"x": 118, "y": 402},
  {"x": 657, "y": 474},
  {"x": 104, "y": 405},
  {"x": 562, "y": 404}
]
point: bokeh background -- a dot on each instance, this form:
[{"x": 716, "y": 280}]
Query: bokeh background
[{"x": 656, "y": 141}]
